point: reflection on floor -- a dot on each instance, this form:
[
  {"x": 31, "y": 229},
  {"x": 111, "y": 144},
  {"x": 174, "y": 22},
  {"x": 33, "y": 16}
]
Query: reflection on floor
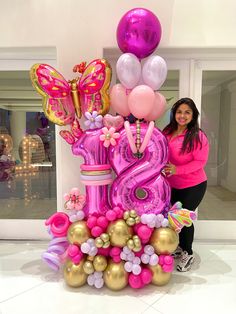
[
  {"x": 29, "y": 286},
  {"x": 218, "y": 204}
]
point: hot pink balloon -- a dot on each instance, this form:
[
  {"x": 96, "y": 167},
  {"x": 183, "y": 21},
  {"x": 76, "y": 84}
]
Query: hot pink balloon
[
  {"x": 159, "y": 107},
  {"x": 141, "y": 101},
  {"x": 139, "y": 32},
  {"x": 119, "y": 100}
]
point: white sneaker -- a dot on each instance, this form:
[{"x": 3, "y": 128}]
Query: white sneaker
[
  {"x": 178, "y": 252},
  {"x": 185, "y": 262}
]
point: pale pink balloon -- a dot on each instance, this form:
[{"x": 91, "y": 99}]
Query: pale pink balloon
[
  {"x": 141, "y": 101},
  {"x": 158, "y": 109},
  {"x": 119, "y": 100}
]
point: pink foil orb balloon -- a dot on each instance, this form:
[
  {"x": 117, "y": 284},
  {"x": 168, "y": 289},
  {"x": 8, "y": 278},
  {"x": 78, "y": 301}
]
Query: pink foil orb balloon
[{"x": 139, "y": 32}]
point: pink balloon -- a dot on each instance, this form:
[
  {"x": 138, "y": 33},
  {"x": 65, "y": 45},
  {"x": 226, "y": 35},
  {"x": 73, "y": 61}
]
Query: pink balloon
[
  {"x": 119, "y": 100},
  {"x": 94, "y": 153},
  {"x": 139, "y": 32},
  {"x": 135, "y": 281},
  {"x": 141, "y": 101},
  {"x": 158, "y": 109},
  {"x": 146, "y": 276}
]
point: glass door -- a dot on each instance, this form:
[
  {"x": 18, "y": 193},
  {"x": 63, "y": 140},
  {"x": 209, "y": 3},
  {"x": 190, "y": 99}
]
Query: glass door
[
  {"x": 215, "y": 92},
  {"x": 28, "y": 185}
]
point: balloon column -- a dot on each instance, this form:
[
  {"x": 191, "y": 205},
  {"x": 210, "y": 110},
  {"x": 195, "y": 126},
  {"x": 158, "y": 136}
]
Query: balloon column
[{"x": 123, "y": 235}]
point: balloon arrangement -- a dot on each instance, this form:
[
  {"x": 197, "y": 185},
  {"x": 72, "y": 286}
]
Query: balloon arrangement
[{"x": 125, "y": 234}]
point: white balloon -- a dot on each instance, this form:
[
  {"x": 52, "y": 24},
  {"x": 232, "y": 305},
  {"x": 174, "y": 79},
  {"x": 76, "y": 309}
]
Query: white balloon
[
  {"x": 128, "y": 69},
  {"x": 154, "y": 72},
  {"x": 90, "y": 280},
  {"x": 85, "y": 247},
  {"x": 165, "y": 223},
  {"x": 145, "y": 258},
  {"x": 148, "y": 249},
  {"x": 153, "y": 260},
  {"x": 128, "y": 267},
  {"x": 136, "y": 269},
  {"x": 98, "y": 274},
  {"x": 99, "y": 283}
]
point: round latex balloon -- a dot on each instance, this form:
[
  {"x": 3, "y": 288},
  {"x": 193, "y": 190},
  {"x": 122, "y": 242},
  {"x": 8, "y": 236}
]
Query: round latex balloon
[
  {"x": 141, "y": 101},
  {"x": 119, "y": 100},
  {"x": 128, "y": 69},
  {"x": 139, "y": 32},
  {"x": 115, "y": 276},
  {"x": 159, "y": 107},
  {"x": 164, "y": 240},
  {"x": 74, "y": 275},
  {"x": 154, "y": 72}
]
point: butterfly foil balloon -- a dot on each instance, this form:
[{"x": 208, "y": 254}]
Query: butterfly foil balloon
[{"x": 63, "y": 99}]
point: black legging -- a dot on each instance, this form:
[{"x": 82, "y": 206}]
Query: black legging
[{"x": 190, "y": 198}]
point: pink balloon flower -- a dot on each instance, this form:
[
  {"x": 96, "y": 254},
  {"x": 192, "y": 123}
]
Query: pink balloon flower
[
  {"x": 109, "y": 136},
  {"x": 74, "y": 200}
]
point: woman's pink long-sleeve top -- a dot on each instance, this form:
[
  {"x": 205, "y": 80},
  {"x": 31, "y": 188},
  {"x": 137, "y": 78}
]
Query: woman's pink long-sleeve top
[{"x": 189, "y": 166}]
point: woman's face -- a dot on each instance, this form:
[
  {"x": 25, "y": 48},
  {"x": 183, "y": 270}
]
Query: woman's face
[{"x": 183, "y": 115}]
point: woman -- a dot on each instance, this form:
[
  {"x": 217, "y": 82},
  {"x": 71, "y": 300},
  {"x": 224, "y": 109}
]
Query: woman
[{"x": 188, "y": 154}]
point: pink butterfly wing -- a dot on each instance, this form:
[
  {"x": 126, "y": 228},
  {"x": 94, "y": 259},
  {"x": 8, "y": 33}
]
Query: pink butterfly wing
[
  {"x": 67, "y": 136},
  {"x": 93, "y": 86},
  {"x": 52, "y": 86},
  {"x": 76, "y": 129}
]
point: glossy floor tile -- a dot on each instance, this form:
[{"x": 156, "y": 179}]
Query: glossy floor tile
[{"x": 27, "y": 286}]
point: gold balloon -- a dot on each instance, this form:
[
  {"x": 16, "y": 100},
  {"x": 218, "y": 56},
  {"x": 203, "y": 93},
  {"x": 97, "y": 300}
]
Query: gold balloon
[
  {"x": 100, "y": 263},
  {"x": 115, "y": 276},
  {"x": 119, "y": 233},
  {"x": 78, "y": 233},
  {"x": 74, "y": 275},
  {"x": 160, "y": 278},
  {"x": 88, "y": 267},
  {"x": 164, "y": 240}
]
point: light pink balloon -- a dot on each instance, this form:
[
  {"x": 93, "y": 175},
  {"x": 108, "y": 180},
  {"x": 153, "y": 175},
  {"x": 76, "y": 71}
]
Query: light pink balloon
[
  {"x": 141, "y": 101},
  {"x": 119, "y": 100},
  {"x": 158, "y": 109}
]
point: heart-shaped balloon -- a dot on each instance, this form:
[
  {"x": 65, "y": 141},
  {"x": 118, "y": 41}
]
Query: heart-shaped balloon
[{"x": 116, "y": 122}]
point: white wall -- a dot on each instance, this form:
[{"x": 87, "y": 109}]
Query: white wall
[{"x": 81, "y": 29}]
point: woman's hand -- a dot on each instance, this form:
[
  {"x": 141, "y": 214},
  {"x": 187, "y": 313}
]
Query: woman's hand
[{"x": 169, "y": 170}]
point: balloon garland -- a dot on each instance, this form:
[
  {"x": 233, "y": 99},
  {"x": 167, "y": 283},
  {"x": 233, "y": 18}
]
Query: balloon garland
[{"x": 123, "y": 231}]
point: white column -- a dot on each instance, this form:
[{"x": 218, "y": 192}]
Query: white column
[{"x": 18, "y": 129}]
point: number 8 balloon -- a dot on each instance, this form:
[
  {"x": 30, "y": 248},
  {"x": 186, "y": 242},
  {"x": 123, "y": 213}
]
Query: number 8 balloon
[{"x": 139, "y": 184}]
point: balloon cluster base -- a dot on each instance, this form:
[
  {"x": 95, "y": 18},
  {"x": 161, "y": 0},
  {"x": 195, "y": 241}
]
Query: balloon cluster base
[{"x": 115, "y": 249}]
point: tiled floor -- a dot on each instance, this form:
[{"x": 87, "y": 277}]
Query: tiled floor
[{"x": 27, "y": 286}]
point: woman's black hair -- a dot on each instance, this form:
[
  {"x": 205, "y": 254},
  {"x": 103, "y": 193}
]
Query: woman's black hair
[{"x": 191, "y": 138}]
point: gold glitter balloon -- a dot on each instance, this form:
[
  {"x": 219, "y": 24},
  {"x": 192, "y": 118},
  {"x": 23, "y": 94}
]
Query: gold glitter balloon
[
  {"x": 78, "y": 233},
  {"x": 160, "y": 278},
  {"x": 115, "y": 276},
  {"x": 119, "y": 233},
  {"x": 164, "y": 240},
  {"x": 88, "y": 267},
  {"x": 100, "y": 263},
  {"x": 74, "y": 275}
]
